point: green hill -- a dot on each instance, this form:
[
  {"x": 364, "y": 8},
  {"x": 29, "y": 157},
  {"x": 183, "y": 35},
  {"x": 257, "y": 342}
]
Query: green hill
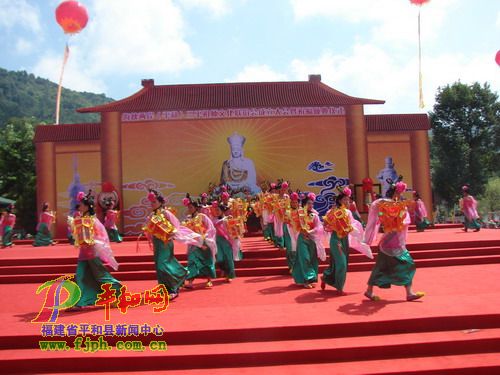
[{"x": 24, "y": 95}]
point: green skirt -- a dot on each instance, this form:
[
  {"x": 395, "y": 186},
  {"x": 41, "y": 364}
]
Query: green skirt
[
  {"x": 472, "y": 224},
  {"x": 7, "y": 236},
  {"x": 290, "y": 255},
  {"x": 113, "y": 235},
  {"x": 225, "y": 259},
  {"x": 305, "y": 268},
  {"x": 392, "y": 270},
  {"x": 200, "y": 263},
  {"x": 266, "y": 233},
  {"x": 43, "y": 236},
  {"x": 269, "y": 232},
  {"x": 90, "y": 275},
  {"x": 169, "y": 271},
  {"x": 279, "y": 241},
  {"x": 422, "y": 224},
  {"x": 335, "y": 274}
]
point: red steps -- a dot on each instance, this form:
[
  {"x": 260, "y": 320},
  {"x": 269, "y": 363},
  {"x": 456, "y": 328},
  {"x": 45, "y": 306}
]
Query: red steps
[
  {"x": 305, "y": 331},
  {"x": 262, "y": 353},
  {"x": 466, "y": 364},
  {"x": 268, "y": 261},
  {"x": 392, "y": 343}
]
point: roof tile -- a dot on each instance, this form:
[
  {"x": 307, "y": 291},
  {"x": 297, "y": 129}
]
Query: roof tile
[
  {"x": 67, "y": 132},
  {"x": 230, "y": 95},
  {"x": 397, "y": 122}
]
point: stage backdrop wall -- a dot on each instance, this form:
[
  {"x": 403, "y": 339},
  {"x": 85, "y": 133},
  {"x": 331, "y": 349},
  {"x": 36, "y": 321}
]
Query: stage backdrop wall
[
  {"x": 78, "y": 167},
  {"x": 383, "y": 147},
  {"x": 184, "y": 156}
]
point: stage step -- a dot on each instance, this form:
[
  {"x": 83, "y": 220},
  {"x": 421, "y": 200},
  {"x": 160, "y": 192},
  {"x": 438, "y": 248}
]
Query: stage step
[
  {"x": 145, "y": 262},
  {"x": 461, "y": 323},
  {"x": 466, "y": 364},
  {"x": 264, "y": 353},
  {"x": 268, "y": 267}
]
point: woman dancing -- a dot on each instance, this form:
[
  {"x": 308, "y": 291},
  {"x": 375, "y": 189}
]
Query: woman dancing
[
  {"x": 201, "y": 259},
  {"x": 95, "y": 256},
  {"x": 345, "y": 231},
  {"x": 43, "y": 235},
  {"x": 394, "y": 264},
  {"x": 162, "y": 228}
]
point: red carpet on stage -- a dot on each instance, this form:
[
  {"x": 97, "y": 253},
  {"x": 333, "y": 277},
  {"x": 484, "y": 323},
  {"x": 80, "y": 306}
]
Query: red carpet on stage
[{"x": 263, "y": 323}]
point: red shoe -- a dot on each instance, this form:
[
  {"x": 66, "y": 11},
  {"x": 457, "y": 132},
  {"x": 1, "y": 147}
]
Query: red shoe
[{"x": 323, "y": 284}]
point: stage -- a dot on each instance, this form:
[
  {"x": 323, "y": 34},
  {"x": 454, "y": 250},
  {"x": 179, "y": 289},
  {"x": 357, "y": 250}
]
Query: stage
[{"x": 262, "y": 322}]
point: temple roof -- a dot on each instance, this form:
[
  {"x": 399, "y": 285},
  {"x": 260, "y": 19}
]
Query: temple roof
[
  {"x": 68, "y": 132},
  {"x": 231, "y": 95},
  {"x": 397, "y": 122}
]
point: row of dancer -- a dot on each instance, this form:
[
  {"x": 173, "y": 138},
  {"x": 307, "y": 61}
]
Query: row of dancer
[
  {"x": 212, "y": 241},
  {"x": 46, "y": 220},
  {"x": 304, "y": 235}
]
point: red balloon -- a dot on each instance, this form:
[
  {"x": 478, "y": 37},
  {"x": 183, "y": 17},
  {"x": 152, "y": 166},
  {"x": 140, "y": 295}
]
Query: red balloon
[
  {"x": 419, "y": 2},
  {"x": 497, "y": 57},
  {"x": 72, "y": 16}
]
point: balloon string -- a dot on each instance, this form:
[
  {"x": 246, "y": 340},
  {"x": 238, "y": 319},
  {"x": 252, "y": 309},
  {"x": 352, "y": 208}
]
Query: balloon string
[
  {"x": 420, "y": 89},
  {"x": 59, "y": 88}
]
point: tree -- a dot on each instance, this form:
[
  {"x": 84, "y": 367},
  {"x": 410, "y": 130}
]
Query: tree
[
  {"x": 465, "y": 139},
  {"x": 17, "y": 168},
  {"x": 24, "y": 95},
  {"x": 490, "y": 200}
]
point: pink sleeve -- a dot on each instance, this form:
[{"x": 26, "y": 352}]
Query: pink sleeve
[
  {"x": 102, "y": 245},
  {"x": 210, "y": 236},
  {"x": 373, "y": 223},
  {"x": 318, "y": 235},
  {"x": 183, "y": 234},
  {"x": 356, "y": 237},
  {"x": 421, "y": 211},
  {"x": 220, "y": 226}
]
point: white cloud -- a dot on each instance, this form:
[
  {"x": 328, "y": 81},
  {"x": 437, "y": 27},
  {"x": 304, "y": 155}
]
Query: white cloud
[
  {"x": 217, "y": 8},
  {"x": 258, "y": 73},
  {"x": 77, "y": 75},
  {"x": 23, "y": 46},
  {"x": 125, "y": 36},
  {"x": 122, "y": 38},
  {"x": 390, "y": 20},
  {"x": 383, "y": 64},
  {"x": 369, "y": 71},
  {"x": 19, "y": 13}
]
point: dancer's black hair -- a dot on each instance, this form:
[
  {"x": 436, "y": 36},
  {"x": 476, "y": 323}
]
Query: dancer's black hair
[
  {"x": 392, "y": 189},
  {"x": 195, "y": 203},
  {"x": 158, "y": 196},
  {"x": 338, "y": 198},
  {"x": 88, "y": 200}
]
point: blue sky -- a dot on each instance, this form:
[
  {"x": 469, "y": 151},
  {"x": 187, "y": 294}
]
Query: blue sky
[{"x": 364, "y": 48}]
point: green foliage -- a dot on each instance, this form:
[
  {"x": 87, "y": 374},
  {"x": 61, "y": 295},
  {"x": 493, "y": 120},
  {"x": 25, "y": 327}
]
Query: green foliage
[
  {"x": 17, "y": 168},
  {"x": 465, "y": 139},
  {"x": 489, "y": 201},
  {"x": 24, "y": 95},
  {"x": 26, "y": 101}
]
